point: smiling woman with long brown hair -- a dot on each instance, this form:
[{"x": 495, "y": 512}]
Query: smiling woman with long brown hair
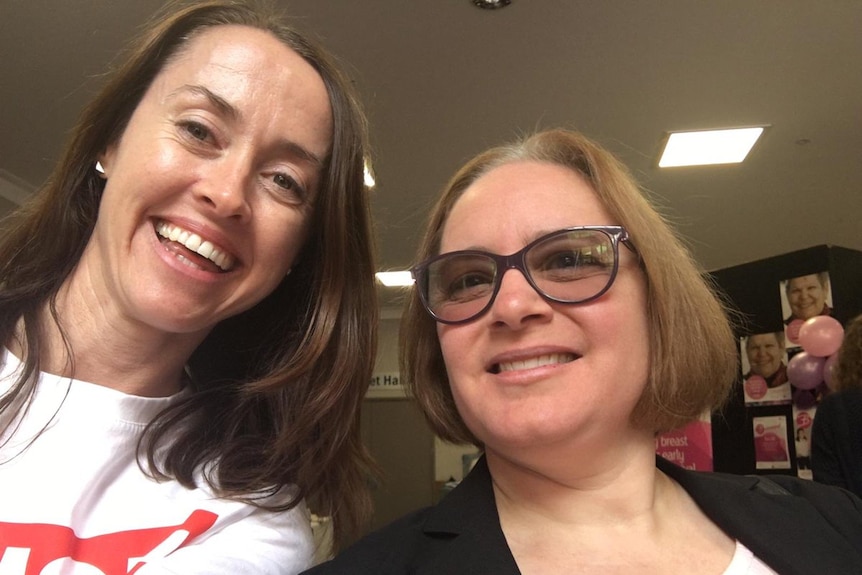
[{"x": 187, "y": 310}]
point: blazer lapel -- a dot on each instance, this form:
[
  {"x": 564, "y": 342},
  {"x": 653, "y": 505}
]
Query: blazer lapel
[{"x": 466, "y": 528}]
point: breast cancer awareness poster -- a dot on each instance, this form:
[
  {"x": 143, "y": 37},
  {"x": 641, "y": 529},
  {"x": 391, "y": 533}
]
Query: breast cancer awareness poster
[
  {"x": 770, "y": 443},
  {"x": 690, "y": 446}
]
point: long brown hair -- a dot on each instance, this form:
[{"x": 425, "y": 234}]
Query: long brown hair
[
  {"x": 278, "y": 388},
  {"x": 693, "y": 358},
  {"x": 847, "y": 373}
]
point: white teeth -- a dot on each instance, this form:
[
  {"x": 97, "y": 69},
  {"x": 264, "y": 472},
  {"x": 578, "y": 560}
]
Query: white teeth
[
  {"x": 196, "y": 244},
  {"x": 550, "y": 359},
  {"x": 193, "y": 242},
  {"x": 206, "y": 249}
]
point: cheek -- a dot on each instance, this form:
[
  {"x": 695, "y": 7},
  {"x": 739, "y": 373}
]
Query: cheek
[
  {"x": 634, "y": 327},
  {"x": 448, "y": 346},
  {"x": 281, "y": 240},
  {"x": 455, "y": 346}
]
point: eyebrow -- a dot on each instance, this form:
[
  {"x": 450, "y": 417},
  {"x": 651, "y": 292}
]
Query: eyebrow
[{"x": 227, "y": 109}]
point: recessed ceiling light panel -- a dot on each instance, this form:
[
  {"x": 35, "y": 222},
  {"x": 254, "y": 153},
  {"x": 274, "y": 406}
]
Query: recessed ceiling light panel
[
  {"x": 729, "y": 146},
  {"x": 395, "y": 279}
]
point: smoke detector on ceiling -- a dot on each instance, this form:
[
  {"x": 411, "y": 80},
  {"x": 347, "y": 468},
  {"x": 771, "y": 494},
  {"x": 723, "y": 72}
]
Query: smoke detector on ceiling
[{"x": 491, "y": 4}]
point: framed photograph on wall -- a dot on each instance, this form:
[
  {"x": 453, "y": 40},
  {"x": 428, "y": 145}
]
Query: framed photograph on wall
[
  {"x": 764, "y": 369},
  {"x": 804, "y": 297}
]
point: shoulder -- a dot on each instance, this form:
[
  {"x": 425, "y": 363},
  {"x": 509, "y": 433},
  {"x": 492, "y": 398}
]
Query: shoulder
[
  {"x": 824, "y": 497},
  {"x": 459, "y": 535},
  {"x": 846, "y": 397},
  {"x": 841, "y": 405},
  {"x": 771, "y": 514},
  {"x": 243, "y": 539},
  {"x": 386, "y": 550}
]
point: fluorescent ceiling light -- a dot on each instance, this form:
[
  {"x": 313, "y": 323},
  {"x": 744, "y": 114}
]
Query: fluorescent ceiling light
[
  {"x": 395, "y": 279},
  {"x": 708, "y": 147}
]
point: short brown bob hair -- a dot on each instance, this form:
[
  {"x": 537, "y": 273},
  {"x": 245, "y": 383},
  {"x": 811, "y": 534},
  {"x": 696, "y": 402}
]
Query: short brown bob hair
[{"x": 693, "y": 356}]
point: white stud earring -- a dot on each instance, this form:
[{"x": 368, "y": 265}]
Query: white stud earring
[{"x": 99, "y": 167}]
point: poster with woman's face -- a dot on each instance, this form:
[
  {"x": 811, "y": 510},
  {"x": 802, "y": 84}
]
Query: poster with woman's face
[
  {"x": 764, "y": 369},
  {"x": 802, "y": 298}
]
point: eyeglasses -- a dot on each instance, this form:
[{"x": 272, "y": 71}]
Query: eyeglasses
[{"x": 572, "y": 265}]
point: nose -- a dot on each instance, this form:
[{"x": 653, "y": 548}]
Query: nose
[
  {"x": 225, "y": 189},
  {"x": 517, "y": 302}
]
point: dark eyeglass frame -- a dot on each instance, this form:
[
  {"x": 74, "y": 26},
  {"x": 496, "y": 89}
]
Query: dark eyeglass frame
[{"x": 517, "y": 260}]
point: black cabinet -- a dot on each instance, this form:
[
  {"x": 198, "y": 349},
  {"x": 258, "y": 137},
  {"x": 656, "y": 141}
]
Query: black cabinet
[{"x": 755, "y": 290}]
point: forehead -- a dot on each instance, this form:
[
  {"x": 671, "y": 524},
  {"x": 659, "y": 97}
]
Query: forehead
[
  {"x": 761, "y": 339},
  {"x": 235, "y": 45},
  {"x": 257, "y": 73},
  {"x": 805, "y": 281},
  {"x": 520, "y": 201}
]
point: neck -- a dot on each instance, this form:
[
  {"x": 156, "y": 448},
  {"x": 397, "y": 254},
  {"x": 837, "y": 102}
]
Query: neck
[
  {"x": 589, "y": 488},
  {"x": 110, "y": 349},
  {"x": 610, "y": 512}
]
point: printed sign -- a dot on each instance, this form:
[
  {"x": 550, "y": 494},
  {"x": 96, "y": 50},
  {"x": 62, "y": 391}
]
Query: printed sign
[
  {"x": 386, "y": 385},
  {"x": 770, "y": 443},
  {"x": 690, "y": 446}
]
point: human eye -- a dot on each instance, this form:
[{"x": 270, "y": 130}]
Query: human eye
[
  {"x": 461, "y": 279},
  {"x": 569, "y": 262},
  {"x": 564, "y": 261},
  {"x": 287, "y": 188},
  {"x": 195, "y": 130},
  {"x": 469, "y": 286}
]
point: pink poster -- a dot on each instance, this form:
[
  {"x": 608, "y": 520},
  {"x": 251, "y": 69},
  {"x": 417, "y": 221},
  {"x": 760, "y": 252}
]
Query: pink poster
[
  {"x": 770, "y": 443},
  {"x": 690, "y": 446}
]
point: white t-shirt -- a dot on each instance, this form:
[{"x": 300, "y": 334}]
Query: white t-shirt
[
  {"x": 75, "y": 501},
  {"x": 745, "y": 563}
]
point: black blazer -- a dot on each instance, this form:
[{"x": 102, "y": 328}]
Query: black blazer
[{"x": 797, "y": 527}]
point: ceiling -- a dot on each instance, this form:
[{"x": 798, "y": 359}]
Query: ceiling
[{"x": 442, "y": 80}]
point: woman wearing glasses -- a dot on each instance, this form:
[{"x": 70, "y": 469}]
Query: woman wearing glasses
[{"x": 562, "y": 361}]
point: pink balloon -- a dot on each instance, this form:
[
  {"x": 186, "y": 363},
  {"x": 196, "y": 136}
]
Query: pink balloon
[
  {"x": 821, "y": 335},
  {"x": 828, "y": 366},
  {"x": 805, "y": 371}
]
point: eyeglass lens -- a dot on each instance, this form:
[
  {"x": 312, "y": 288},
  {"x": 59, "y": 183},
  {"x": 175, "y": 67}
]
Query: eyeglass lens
[{"x": 567, "y": 266}]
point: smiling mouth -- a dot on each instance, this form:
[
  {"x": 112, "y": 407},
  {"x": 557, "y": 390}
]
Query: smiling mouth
[
  {"x": 196, "y": 244},
  {"x": 534, "y": 362}
]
